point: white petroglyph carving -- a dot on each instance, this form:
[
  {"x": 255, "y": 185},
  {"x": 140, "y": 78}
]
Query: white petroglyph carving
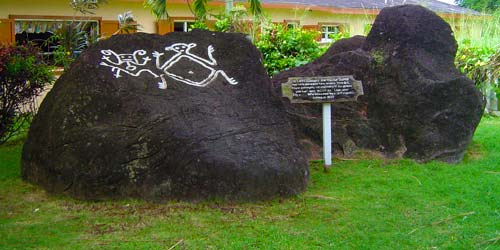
[
  {"x": 199, "y": 71},
  {"x": 183, "y": 53},
  {"x": 131, "y": 63}
]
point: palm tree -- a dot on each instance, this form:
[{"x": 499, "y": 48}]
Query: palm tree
[
  {"x": 159, "y": 7},
  {"x": 127, "y": 23},
  {"x": 86, "y": 6}
]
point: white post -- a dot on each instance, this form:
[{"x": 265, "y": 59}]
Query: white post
[
  {"x": 327, "y": 134},
  {"x": 229, "y": 6}
]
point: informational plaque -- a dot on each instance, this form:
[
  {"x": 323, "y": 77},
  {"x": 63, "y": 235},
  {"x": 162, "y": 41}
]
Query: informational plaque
[{"x": 322, "y": 89}]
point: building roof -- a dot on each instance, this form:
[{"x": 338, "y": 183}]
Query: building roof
[{"x": 371, "y": 5}]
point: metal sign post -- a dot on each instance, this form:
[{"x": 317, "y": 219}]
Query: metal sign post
[
  {"x": 325, "y": 90},
  {"x": 327, "y": 134},
  {"x": 229, "y": 6}
]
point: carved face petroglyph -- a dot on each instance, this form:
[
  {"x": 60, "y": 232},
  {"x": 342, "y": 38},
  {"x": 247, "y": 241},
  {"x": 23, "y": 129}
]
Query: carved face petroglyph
[{"x": 180, "y": 47}]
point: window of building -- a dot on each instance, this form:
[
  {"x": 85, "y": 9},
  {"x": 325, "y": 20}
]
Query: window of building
[
  {"x": 292, "y": 24},
  {"x": 328, "y": 30},
  {"x": 38, "y": 31},
  {"x": 183, "y": 26}
]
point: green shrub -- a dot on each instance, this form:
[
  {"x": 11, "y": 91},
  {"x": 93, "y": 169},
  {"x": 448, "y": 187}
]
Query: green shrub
[
  {"x": 478, "y": 55},
  {"x": 222, "y": 23},
  {"x": 340, "y": 35},
  {"x": 474, "y": 62},
  {"x": 284, "y": 48},
  {"x": 236, "y": 21},
  {"x": 481, "y": 65},
  {"x": 23, "y": 75}
]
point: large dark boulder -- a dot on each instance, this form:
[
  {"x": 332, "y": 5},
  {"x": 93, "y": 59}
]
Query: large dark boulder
[
  {"x": 416, "y": 104},
  {"x": 197, "y": 122}
]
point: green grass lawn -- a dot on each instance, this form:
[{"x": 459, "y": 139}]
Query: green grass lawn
[{"x": 359, "y": 204}]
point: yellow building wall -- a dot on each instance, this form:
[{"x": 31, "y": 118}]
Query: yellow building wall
[
  {"x": 144, "y": 17},
  {"x": 354, "y": 23},
  {"x": 107, "y": 11}
]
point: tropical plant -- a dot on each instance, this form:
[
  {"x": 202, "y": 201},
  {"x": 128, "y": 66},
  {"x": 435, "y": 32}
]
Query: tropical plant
[
  {"x": 340, "y": 35},
  {"x": 482, "y": 65},
  {"x": 233, "y": 21},
  {"x": 477, "y": 55},
  {"x": 127, "y": 23},
  {"x": 75, "y": 36},
  {"x": 159, "y": 8},
  {"x": 86, "y": 7},
  {"x": 472, "y": 61},
  {"x": 283, "y": 48},
  {"x": 199, "y": 25},
  {"x": 23, "y": 75},
  {"x": 71, "y": 39}
]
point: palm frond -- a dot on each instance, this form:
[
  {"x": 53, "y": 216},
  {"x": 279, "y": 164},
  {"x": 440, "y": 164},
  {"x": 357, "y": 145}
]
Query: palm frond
[
  {"x": 158, "y": 8},
  {"x": 126, "y": 17},
  {"x": 86, "y": 6},
  {"x": 255, "y": 7},
  {"x": 200, "y": 9},
  {"x": 127, "y": 23}
]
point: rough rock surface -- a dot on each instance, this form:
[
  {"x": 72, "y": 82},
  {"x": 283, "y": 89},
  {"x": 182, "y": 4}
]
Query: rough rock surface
[
  {"x": 416, "y": 103},
  {"x": 216, "y": 131}
]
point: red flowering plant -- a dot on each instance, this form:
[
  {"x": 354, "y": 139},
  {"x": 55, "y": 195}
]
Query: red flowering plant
[{"x": 23, "y": 76}]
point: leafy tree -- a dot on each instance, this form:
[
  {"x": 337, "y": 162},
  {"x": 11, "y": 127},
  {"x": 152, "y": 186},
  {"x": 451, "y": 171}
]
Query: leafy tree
[
  {"x": 159, "y": 8},
  {"x": 480, "y": 5}
]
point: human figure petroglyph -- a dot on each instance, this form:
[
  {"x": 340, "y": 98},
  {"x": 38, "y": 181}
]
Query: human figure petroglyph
[
  {"x": 183, "y": 53},
  {"x": 201, "y": 73}
]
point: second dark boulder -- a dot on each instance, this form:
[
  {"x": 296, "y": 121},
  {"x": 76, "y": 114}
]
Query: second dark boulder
[{"x": 416, "y": 103}]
